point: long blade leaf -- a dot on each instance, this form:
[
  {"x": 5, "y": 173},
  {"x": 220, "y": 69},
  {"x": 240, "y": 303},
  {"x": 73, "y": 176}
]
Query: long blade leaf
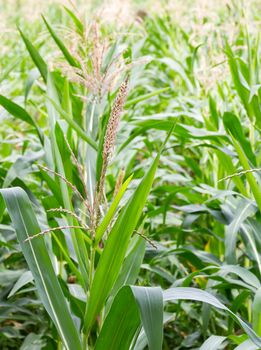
[
  {"x": 131, "y": 307},
  {"x": 38, "y": 260},
  {"x": 36, "y": 57},
  {"x": 69, "y": 58},
  {"x": 19, "y": 113}
]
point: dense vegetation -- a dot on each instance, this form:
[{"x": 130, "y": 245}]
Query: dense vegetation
[{"x": 130, "y": 178}]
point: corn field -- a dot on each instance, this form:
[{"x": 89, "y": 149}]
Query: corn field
[{"x": 130, "y": 175}]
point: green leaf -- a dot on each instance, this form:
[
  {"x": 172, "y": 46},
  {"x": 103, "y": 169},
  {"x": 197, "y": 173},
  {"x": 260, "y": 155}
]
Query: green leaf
[
  {"x": 73, "y": 124},
  {"x": 131, "y": 266},
  {"x": 241, "y": 73},
  {"x": 251, "y": 232},
  {"x": 69, "y": 58},
  {"x": 38, "y": 260},
  {"x": 108, "y": 217},
  {"x": 244, "y": 210},
  {"x": 19, "y": 113},
  {"x": 33, "y": 75},
  {"x": 213, "y": 112},
  {"x": 247, "y": 345},
  {"x": 213, "y": 343},
  {"x": 150, "y": 301},
  {"x": 145, "y": 97},
  {"x": 247, "y": 276},
  {"x": 250, "y": 177},
  {"x": 233, "y": 126},
  {"x": 53, "y": 186},
  {"x": 77, "y": 22},
  {"x": 257, "y": 312},
  {"x": 121, "y": 323},
  {"x": 24, "y": 279},
  {"x": 33, "y": 342},
  {"x": 227, "y": 163},
  {"x": 36, "y": 57},
  {"x": 142, "y": 340},
  {"x": 131, "y": 306}
]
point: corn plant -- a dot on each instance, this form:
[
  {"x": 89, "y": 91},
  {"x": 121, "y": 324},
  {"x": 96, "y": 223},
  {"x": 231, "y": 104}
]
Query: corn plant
[{"x": 118, "y": 226}]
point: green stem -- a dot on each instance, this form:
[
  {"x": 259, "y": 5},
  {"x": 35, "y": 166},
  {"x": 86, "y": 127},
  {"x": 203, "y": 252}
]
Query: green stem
[
  {"x": 85, "y": 342},
  {"x": 92, "y": 261}
]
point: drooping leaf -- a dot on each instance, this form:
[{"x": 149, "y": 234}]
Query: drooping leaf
[
  {"x": 38, "y": 260},
  {"x": 190, "y": 293},
  {"x": 213, "y": 343},
  {"x": 19, "y": 113},
  {"x": 24, "y": 279},
  {"x": 247, "y": 345}
]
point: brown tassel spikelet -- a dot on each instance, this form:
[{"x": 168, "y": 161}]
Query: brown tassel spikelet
[
  {"x": 109, "y": 141},
  {"x": 112, "y": 127},
  {"x": 114, "y": 120}
]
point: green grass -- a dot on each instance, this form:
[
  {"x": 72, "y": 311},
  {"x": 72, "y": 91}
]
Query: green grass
[{"x": 130, "y": 177}]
